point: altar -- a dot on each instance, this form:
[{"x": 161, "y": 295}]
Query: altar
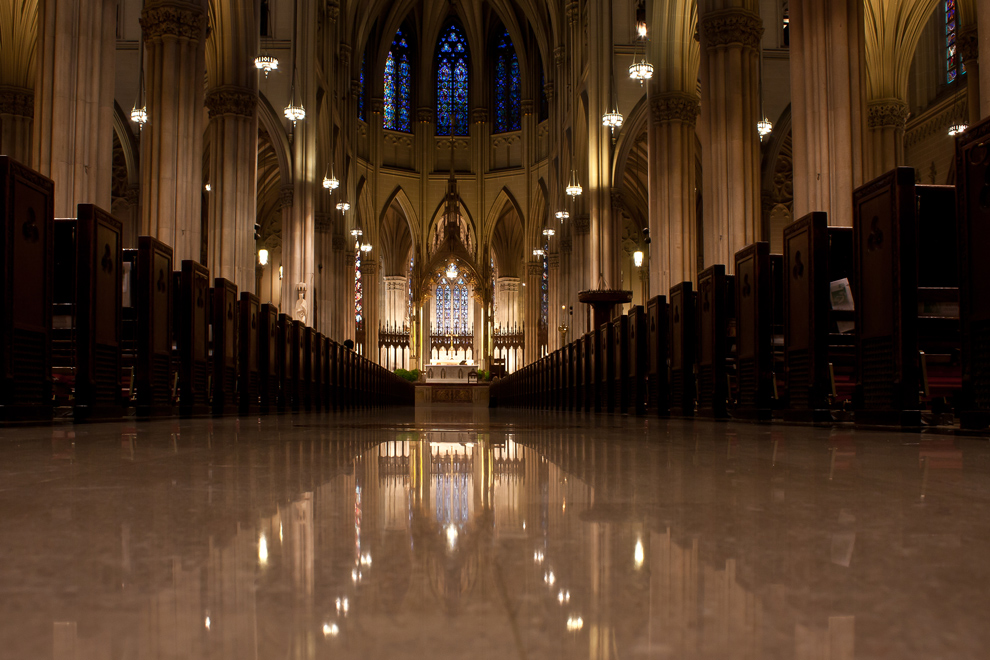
[{"x": 449, "y": 373}]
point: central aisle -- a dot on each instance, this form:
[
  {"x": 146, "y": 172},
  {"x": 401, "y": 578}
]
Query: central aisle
[{"x": 459, "y": 533}]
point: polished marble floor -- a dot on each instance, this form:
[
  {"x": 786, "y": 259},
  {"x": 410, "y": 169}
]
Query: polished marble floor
[{"x": 459, "y": 534}]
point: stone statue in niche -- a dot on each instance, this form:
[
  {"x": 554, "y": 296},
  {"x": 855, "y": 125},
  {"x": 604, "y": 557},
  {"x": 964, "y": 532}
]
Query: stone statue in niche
[{"x": 302, "y": 310}]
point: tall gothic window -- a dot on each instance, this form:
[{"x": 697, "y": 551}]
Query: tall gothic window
[
  {"x": 398, "y": 85},
  {"x": 953, "y": 67},
  {"x": 452, "y": 83},
  {"x": 545, "y": 287},
  {"x": 360, "y": 95},
  {"x": 507, "y": 86},
  {"x": 451, "y": 305}
]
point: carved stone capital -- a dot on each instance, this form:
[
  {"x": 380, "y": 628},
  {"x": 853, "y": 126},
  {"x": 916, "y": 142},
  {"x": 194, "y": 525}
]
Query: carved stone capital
[
  {"x": 376, "y": 106},
  {"x": 675, "y": 106},
  {"x": 231, "y": 100},
  {"x": 566, "y": 244},
  {"x": 345, "y": 56},
  {"x": 967, "y": 43},
  {"x": 355, "y": 87},
  {"x": 548, "y": 90},
  {"x": 424, "y": 115},
  {"x": 558, "y": 55},
  {"x": 553, "y": 260},
  {"x": 526, "y": 107},
  {"x": 17, "y": 101},
  {"x": 479, "y": 115},
  {"x": 183, "y": 20},
  {"x": 285, "y": 196},
  {"x": 618, "y": 203},
  {"x": 536, "y": 268},
  {"x": 573, "y": 11},
  {"x": 887, "y": 113},
  {"x": 333, "y": 9},
  {"x": 368, "y": 267},
  {"x": 324, "y": 223},
  {"x": 729, "y": 27}
]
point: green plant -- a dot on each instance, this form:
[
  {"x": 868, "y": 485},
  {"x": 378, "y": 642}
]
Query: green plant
[
  {"x": 412, "y": 376},
  {"x": 483, "y": 375}
]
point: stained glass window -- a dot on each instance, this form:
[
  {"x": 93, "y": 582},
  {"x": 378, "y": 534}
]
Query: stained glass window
[
  {"x": 953, "y": 66},
  {"x": 409, "y": 284},
  {"x": 398, "y": 85},
  {"x": 358, "y": 292},
  {"x": 545, "y": 287},
  {"x": 494, "y": 290},
  {"x": 507, "y": 94},
  {"x": 360, "y": 94},
  {"x": 452, "y": 306},
  {"x": 452, "y": 83}
]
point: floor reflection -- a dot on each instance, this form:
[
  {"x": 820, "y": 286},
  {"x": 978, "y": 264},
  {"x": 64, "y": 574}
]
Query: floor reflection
[{"x": 363, "y": 537}]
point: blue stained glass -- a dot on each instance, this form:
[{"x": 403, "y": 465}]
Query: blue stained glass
[
  {"x": 452, "y": 83},
  {"x": 545, "y": 287},
  {"x": 953, "y": 67},
  {"x": 507, "y": 86},
  {"x": 398, "y": 86},
  {"x": 360, "y": 96},
  {"x": 358, "y": 292}
]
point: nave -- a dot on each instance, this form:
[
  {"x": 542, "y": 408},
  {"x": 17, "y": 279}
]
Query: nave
[{"x": 461, "y": 532}]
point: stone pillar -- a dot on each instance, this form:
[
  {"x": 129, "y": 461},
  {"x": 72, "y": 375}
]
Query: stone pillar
[
  {"x": 396, "y": 301},
  {"x": 730, "y": 41},
  {"x": 73, "y": 104},
  {"x": 172, "y": 140},
  {"x": 531, "y": 313},
  {"x": 827, "y": 52},
  {"x": 601, "y": 209},
  {"x": 369, "y": 282},
  {"x": 323, "y": 297},
  {"x": 886, "y": 120},
  {"x": 508, "y": 313},
  {"x": 16, "y": 120},
  {"x": 298, "y": 234},
  {"x": 673, "y": 207},
  {"x": 233, "y": 180},
  {"x": 968, "y": 47}
]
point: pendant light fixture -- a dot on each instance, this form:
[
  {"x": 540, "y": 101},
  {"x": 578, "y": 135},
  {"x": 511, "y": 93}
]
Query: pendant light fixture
[
  {"x": 139, "y": 112},
  {"x": 294, "y": 112},
  {"x": 640, "y": 70},
  {"x": 330, "y": 182},
  {"x": 573, "y": 188},
  {"x": 763, "y": 127},
  {"x": 613, "y": 118},
  {"x": 265, "y": 61}
]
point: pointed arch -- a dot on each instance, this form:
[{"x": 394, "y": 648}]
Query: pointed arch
[
  {"x": 452, "y": 81},
  {"x": 397, "y": 82},
  {"x": 408, "y": 209},
  {"x": 271, "y": 122},
  {"x": 506, "y": 84}
]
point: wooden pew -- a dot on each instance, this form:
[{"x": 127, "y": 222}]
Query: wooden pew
[
  {"x": 602, "y": 367},
  {"x": 336, "y": 399},
  {"x": 326, "y": 370},
  {"x": 298, "y": 366},
  {"x": 316, "y": 393},
  {"x": 287, "y": 357},
  {"x": 224, "y": 334},
  {"x": 249, "y": 354},
  {"x": 192, "y": 333},
  {"x": 886, "y": 297},
  {"x": 637, "y": 362},
  {"x": 682, "y": 350},
  {"x": 713, "y": 313},
  {"x": 973, "y": 215},
  {"x": 585, "y": 396},
  {"x": 268, "y": 359},
  {"x": 657, "y": 348},
  {"x": 155, "y": 381},
  {"x": 619, "y": 359},
  {"x": 26, "y": 251},
  {"x": 63, "y": 331},
  {"x": 754, "y": 332}
]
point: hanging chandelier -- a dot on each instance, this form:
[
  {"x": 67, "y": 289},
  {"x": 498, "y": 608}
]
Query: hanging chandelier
[
  {"x": 356, "y": 233},
  {"x": 957, "y": 129},
  {"x": 366, "y": 247},
  {"x": 612, "y": 119},
  {"x": 266, "y": 63},
  {"x": 139, "y": 112},
  {"x": 139, "y": 115},
  {"x": 330, "y": 182},
  {"x": 344, "y": 206},
  {"x": 641, "y": 70},
  {"x": 548, "y": 232},
  {"x": 764, "y": 127},
  {"x": 562, "y": 215},
  {"x": 538, "y": 252},
  {"x": 573, "y": 188},
  {"x": 294, "y": 112}
]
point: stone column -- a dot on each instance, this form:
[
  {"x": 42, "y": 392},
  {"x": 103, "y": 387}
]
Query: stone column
[
  {"x": 673, "y": 185},
  {"x": 396, "y": 297},
  {"x": 968, "y": 47},
  {"x": 233, "y": 181},
  {"x": 730, "y": 41},
  {"x": 886, "y": 120},
  {"x": 323, "y": 296},
  {"x": 16, "y": 120},
  {"x": 73, "y": 104},
  {"x": 172, "y": 140},
  {"x": 598, "y": 190},
  {"x": 827, "y": 105},
  {"x": 508, "y": 313},
  {"x": 369, "y": 282},
  {"x": 531, "y": 313}
]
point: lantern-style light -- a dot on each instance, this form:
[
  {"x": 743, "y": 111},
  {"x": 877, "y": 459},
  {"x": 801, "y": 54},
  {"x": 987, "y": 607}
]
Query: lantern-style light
[
  {"x": 263, "y": 257},
  {"x": 343, "y": 206},
  {"x": 562, "y": 215},
  {"x": 764, "y": 127},
  {"x": 638, "y": 258},
  {"x": 266, "y": 63},
  {"x": 573, "y": 188},
  {"x": 957, "y": 129}
]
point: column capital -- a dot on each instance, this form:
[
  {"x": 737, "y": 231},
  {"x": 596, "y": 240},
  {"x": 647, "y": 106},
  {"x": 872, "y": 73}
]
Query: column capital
[
  {"x": 425, "y": 115},
  {"x": 355, "y": 87},
  {"x": 887, "y": 113},
  {"x": 526, "y": 107},
  {"x": 967, "y": 42},
  {"x": 324, "y": 223},
  {"x": 368, "y": 267},
  {"x": 582, "y": 224},
  {"x": 572, "y": 11},
  {"x": 333, "y": 9},
  {"x": 479, "y": 115},
  {"x": 553, "y": 260},
  {"x": 548, "y": 90},
  {"x": 618, "y": 203},
  {"x": 17, "y": 101},
  {"x": 535, "y": 268},
  {"x": 231, "y": 100},
  {"x": 376, "y": 106},
  {"x": 675, "y": 106},
  {"x": 285, "y": 196},
  {"x": 183, "y": 20},
  {"x": 729, "y": 27},
  {"x": 558, "y": 55}
]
